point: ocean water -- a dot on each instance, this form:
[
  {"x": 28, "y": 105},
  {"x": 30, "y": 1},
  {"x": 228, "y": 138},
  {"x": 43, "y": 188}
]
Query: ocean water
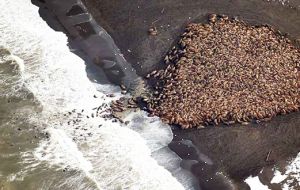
[{"x": 50, "y": 135}]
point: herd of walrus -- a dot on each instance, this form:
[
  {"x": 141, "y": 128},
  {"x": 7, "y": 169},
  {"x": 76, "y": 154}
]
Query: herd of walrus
[{"x": 226, "y": 71}]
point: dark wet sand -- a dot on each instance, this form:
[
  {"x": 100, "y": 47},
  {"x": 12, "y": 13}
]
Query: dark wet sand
[
  {"x": 237, "y": 151},
  {"x": 128, "y": 23},
  {"x": 241, "y": 150}
]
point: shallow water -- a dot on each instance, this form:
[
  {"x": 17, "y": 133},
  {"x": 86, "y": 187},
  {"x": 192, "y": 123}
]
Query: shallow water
[{"x": 51, "y": 136}]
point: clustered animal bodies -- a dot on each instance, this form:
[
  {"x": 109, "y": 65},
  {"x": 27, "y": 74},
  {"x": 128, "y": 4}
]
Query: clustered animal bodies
[{"x": 227, "y": 71}]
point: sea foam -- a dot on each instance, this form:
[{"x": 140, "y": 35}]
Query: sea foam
[{"x": 111, "y": 155}]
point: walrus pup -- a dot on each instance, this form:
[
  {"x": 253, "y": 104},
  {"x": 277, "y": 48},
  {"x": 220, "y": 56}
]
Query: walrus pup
[{"x": 227, "y": 71}]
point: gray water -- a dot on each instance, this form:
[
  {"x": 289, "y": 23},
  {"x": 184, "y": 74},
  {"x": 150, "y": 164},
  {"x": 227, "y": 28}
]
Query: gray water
[
  {"x": 20, "y": 136},
  {"x": 49, "y": 138}
]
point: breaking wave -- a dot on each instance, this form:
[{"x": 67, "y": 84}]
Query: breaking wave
[{"x": 97, "y": 152}]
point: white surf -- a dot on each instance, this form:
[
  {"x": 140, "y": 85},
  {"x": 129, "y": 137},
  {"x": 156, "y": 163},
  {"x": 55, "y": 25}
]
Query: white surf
[{"x": 111, "y": 155}]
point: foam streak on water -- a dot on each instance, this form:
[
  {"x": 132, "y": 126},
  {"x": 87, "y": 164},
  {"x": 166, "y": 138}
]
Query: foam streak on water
[{"x": 111, "y": 156}]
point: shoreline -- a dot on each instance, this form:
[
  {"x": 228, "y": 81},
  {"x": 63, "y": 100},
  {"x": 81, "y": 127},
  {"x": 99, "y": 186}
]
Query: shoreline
[
  {"x": 212, "y": 144},
  {"x": 89, "y": 40}
]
